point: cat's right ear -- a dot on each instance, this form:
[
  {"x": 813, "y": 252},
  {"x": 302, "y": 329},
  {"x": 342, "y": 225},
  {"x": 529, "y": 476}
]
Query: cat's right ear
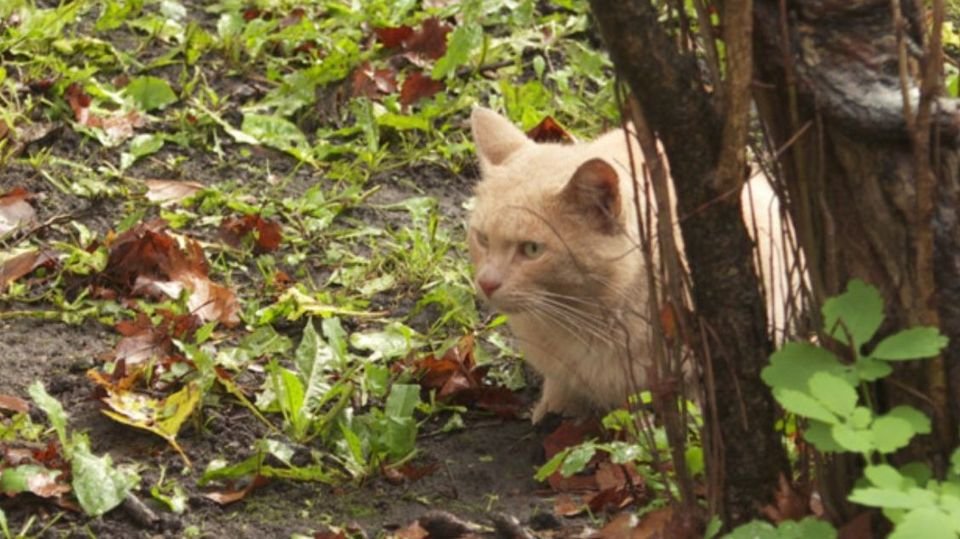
[
  {"x": 594, "y": 193},
  {"x": 495, "y": 137}
]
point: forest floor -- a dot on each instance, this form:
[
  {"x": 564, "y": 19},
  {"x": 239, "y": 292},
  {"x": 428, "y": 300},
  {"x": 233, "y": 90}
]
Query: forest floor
[{"x": 231, "y": 249}]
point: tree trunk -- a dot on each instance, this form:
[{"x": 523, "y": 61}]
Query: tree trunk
[
  {"x": 726, "y": 291},
  {"x": 865, "y": 150}
]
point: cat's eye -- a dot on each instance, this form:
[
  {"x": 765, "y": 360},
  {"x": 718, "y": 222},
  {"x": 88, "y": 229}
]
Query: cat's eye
[{"x": 531, "y": 249}]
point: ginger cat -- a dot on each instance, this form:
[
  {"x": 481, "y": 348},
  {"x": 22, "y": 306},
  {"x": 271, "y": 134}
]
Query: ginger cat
[{"x": 553, "y": 239}]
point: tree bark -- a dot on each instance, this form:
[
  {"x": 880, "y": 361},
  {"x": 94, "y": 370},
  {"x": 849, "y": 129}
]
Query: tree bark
[
  {"x": 726, "y": 290},
  {"x": 871, "y": 168}
]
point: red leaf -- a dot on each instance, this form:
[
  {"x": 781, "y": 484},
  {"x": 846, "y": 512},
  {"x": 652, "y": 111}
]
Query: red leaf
[
  {"x": 370, "y": 82},
  {"x": 266, "y": 234},
  {"x": 418, "y": 86},
  {"x": 499, "y": 400},
  {"x": 393, "y": 37},
  {"x": 548, "y": 130},
  {"x": 430, "y": 41},
  {"x": 409, "y": 472},
  {"x": 569, "y": 434}
]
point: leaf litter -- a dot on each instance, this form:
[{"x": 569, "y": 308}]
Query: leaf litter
[{"x": 195, "y": 338}]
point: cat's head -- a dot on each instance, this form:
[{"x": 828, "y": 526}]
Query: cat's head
[{"x": 549, "y": 220}]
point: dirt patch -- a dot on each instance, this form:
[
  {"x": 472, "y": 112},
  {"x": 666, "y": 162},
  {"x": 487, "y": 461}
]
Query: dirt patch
[{"x": 482, "y": 470}]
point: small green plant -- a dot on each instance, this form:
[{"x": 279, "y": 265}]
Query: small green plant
[
  {"x": 832, "y": 396},
  {"x": 98, "y": 485}
]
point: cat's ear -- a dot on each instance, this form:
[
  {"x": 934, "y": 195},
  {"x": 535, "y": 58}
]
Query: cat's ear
[
  {"x": 594, "y": 191},
  {"x": 496, "y": 138}
]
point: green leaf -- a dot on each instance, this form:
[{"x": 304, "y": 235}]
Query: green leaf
[
  {"x": 851, "y": 440},
  {"x": 552, "y": 465},
  {"x": 893, "y": 498},
  {"x": 807, "y": 528},
  {"x": 624, "y": 452},
  {"x": 804, "y": 405},
  {"x": 54, "y": 411},
  {"x": 891, "y": 433},
  {"x": 99, "y": 486},
  {"x": 312, "y": 358},
  {"x": 402, "y": 401},
  {"x": 860, "y": 309},
  {"x": 819, "y": 434},
  {"x": 403, "y": 122},
  {"x": 149, "y": 93},
  {"x": 870, "y": 369},
  {"x": 400, "y": 436},
  {"x": 756, "y": 529},
  {"x": 219, "y": 469},
  {"x": 917, "y": 419},
  {"x": 913, "y": 343},
  {"x": 884, "y": 476},
  {"x": 31, "y": 478},
  {"x": 861, "y": 418},
  {"x": 396, "y": 340},
  {"x": 140, "y": 146},
  {"x": 916, "y": 473},
  {"x": 577, "y": 459},
  {"x": 460, "y": 44},
  {"x": 955, "y": 461},
  {"x": 273, "y": 131},
  {"x": 792, "y": 366},
  {"x": 925, "y": 522},
  {"x": 833, "y": 392}
]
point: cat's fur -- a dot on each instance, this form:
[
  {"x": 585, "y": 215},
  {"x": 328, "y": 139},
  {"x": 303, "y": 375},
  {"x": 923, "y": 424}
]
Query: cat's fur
[{"x": 553, "y": 240}]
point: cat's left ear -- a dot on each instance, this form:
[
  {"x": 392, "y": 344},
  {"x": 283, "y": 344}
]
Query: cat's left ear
[
  {"x": 495, "y": 136},
  {"x": 594, "y": 190}
]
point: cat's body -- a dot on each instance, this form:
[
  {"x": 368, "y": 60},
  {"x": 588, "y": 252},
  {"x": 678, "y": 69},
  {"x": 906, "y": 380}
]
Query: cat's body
[{"x": 554, "y": 242}]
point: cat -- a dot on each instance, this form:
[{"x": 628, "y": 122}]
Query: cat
[{"x": 553, "y": 239}]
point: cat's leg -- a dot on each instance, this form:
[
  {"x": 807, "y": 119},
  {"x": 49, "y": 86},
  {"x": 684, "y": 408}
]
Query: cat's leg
[{"x": 557, "y": 397}]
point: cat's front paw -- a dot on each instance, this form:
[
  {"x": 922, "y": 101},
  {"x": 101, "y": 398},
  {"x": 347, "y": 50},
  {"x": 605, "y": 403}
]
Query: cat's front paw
[{"x": 555, "y": 399}]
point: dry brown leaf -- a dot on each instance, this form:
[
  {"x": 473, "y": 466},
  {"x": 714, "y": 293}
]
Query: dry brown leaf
[
  {"x": 790, "y": 504},
  {"x": 119, "y": 126},
  {"x": 861, "y": 527},
  {"x": 15, "y": 211},
  {"x": 371, "y": 82},
  {"x": 167, "y": 192},
  {"x": 655, "y": 524},
  {"x": 266, "y": 234},
  {"x": 24, "y": 264},
  {"x": 14, "y": 404},
  {"x": 145, "y": 259},
  {"x": 413, "y": 531},
  {"x": 228, "y": 496},
  {"x": 566, "y": 505}
]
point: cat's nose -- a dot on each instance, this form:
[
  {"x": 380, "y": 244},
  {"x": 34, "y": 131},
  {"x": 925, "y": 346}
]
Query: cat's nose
[{"x": 489, "y": 286}]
